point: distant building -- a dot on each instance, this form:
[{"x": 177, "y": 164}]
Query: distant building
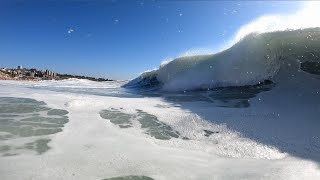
[
  {"x": 50, "y": 74},
  {"x": 30, "y": 74},
  {"x": 19, "y": 67}
]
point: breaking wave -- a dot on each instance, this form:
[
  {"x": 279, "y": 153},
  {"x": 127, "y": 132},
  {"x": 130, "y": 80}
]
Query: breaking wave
[
  {"x": 253, "y": 59},
  {"x": 272, "y": 47}
]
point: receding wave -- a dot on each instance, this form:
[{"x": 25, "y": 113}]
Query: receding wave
[{"x": 255, "y": 58}]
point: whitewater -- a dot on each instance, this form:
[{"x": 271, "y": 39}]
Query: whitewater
[
  {"x": 257, "y": 57},
  {"x": 249, "y": 111}
]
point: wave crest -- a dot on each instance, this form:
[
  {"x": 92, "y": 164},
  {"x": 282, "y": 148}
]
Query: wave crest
[{"x": 255, "y": 58}]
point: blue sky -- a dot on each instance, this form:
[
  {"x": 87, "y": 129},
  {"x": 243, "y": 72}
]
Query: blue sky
[{"x": 118, "y": 39}]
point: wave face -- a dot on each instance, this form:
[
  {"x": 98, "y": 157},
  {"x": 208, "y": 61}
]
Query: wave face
[{"x": 257, "y": 57}]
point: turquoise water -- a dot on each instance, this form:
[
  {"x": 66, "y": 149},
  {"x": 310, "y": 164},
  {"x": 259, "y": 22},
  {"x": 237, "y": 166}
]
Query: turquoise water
[
  {"x": 31, "y": 121},
  {"x": 150, "y": 124}
]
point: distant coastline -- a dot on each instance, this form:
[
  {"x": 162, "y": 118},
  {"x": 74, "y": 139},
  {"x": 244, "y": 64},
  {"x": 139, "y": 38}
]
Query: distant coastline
[
  {"x": 68, "y": 76},
  {"x": 32, "y": 74}
]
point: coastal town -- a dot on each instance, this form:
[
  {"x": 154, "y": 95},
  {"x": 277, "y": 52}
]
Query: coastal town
[{"x": 32, "y": 74}]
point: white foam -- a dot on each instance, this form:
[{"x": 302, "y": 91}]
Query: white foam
[{"x": 93, "y": 148}]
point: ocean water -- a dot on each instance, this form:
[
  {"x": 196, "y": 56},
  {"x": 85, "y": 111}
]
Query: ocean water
[
  {"x": 250, "y": 111},
  {"x": 78, "y": 129}
]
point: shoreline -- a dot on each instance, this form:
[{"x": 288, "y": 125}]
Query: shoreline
[
  {"x": 17, "y": 79},
  {"x": 30, "y": 79},
  {"x": 27, "y": 74}
]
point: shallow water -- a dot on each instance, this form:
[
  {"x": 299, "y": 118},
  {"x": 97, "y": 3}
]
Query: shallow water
[
  {"x": 21, "y": 118},
  {"x": 130, "y": 178},
  {"x": 148, "y": 123}
]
